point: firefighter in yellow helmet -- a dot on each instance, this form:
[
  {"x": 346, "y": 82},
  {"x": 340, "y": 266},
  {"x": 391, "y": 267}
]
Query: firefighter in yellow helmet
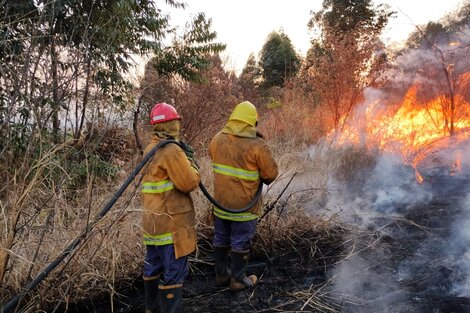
[
  {"x": 168, "y": 218},
  {"x": 240, "y": 160}
]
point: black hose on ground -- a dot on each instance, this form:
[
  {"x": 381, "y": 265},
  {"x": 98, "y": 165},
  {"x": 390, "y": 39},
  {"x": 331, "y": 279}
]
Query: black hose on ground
[{"x": 10, "y": 305}]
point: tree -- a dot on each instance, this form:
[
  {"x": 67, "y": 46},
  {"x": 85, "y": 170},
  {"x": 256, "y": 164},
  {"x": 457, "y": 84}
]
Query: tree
[
  {"x": 65, "y": 62},
  {"x": 433, "y": 33},
  {"x": 190, "y": 53},
  {"x": 348, "y": 56},
  {"x": 442, "y": 68},
  {"x": 278, "y": 60},
  {"x": 82, "y": 47},
  {"x": 250, "y": 78},
  {"x": 459, "y": 20},
  {"x": 204, "y": 104}
]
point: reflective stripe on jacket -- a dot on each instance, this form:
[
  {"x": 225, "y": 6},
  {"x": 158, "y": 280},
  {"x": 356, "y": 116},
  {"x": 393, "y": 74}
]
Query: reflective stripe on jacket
[
  {"x": 235, "y": 172},
  {"x": 158, "y": 240},
  {"x": 168, "y": 216},
  {"x": 240, "y": 160},
  {"x": 157, "y": 187},
  {"x": 237, "y": 217}
]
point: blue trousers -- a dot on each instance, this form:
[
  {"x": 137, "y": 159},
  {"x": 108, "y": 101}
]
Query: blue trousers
[
  {"x": 160, "y": 261},
  {"x": 237, "y": 235}
]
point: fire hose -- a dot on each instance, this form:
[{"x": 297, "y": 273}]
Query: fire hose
[{"x": 10, "y": 305}]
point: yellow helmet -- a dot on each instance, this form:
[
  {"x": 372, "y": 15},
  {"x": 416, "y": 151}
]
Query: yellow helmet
[{"x": 246, "y": 112}]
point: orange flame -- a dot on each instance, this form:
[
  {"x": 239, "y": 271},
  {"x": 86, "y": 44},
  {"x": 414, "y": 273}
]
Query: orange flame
[
  {"x": 412, "y": 129},
  {"x": 419, "y": 177}
]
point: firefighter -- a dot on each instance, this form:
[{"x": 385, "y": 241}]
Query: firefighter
[
  {"x": 168, "y": 218},
  {"x": 240, "y": 159}
]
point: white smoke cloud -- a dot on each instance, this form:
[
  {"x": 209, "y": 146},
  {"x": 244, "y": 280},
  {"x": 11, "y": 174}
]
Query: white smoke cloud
[
  {"x": 461, "y": 243},
  {"x": 357, "y": 280},
  {"x": 387, "y": 189},
  {"x": 393, "y": 186},
  {"x": 390, "y": 187}
]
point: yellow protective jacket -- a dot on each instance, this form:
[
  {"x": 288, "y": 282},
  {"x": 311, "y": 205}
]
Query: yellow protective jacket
[
  {"x": 169, "y": 215},
  {"x": 239, "y": 160}
]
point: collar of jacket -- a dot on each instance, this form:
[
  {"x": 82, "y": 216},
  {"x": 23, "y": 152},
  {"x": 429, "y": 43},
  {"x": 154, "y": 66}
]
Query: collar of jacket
[
  {"x": 163, "y": 136},
  {"x": 239, "y": 129},
  {"x": 167, "y": 130}
]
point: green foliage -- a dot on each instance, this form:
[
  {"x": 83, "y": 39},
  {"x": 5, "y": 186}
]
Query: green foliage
[
  {"x": 251, "y": 73},
  {"x": 442, "y": 32},
  {"x": 84, "y": 165},
  {"x": 188, "y": 55},
  {"x": 340, "y": 17},
  {"x": 274, "y": 103},
  {"x": 432, "y": 34},
  {"x": 278, "y": 60},
  {"x": 69, "y": 166},
  {"x": 250, "y": 78},
  {"x": 15, "y": 145},
  {"x": 13, "y": 14},
  {"x": 67, "y": 58}
]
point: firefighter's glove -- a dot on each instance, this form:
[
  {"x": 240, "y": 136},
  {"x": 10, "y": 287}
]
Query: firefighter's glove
[{"x": 189, "y": 151}]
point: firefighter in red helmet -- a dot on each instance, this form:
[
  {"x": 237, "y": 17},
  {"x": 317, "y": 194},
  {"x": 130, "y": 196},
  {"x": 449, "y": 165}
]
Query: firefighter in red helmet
[{"x": 168, "y": 220}]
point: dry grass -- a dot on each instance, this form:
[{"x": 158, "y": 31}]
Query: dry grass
[
  {"x": 112, "y": 254},
  {"x": 47, "y": 224},
  {"x": 293, "y": 122}
]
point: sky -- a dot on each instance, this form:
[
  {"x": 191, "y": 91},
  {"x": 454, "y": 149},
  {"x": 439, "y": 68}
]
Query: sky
[{"x": 243, "y": 25}]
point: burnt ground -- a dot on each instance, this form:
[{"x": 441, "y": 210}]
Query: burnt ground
[
  {"x": 281, "y": 277},
  {"x": 403, "y": 263},
  {"x": 415, "y": 264}
]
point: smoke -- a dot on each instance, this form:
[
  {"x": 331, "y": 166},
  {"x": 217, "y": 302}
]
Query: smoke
[
  {"x": 418, "y": 233},
  {"x": 463, "y": 152},
  {"x": 389, "y": 187},
  {"x": 419, "y": 239},
  {"x": 461, "y": 248},
  {"x": 393, "y": 188},
  {"x": 361, "y": 282},
  {"x": 429, "y": 245},
  {"x": 385, "y": 190}
]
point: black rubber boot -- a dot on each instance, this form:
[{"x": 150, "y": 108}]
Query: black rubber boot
[
  {"x": 222, "y": 275},
  {"x": 171, "y": 299},
  {"x": 239, "y": 279},
  {"x": 152, "y": 304}
]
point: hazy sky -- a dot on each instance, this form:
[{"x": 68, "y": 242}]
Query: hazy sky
[{"x": 244, "y": 24}]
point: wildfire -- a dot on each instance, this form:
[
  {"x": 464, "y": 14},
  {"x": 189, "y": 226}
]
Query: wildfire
[{"x": 412, "y": 129}]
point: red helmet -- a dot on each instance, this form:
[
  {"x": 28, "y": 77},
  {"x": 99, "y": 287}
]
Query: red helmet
[{"x": 163, "y": 112}]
